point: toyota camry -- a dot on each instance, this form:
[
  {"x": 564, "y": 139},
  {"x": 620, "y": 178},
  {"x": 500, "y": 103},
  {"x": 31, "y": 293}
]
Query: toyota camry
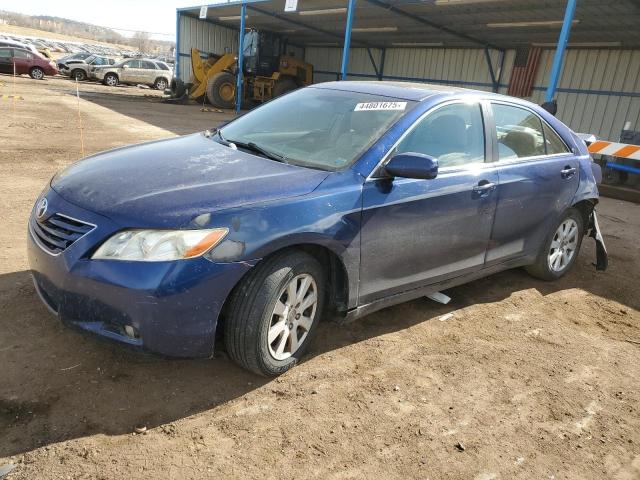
[{"x": 333, "y": 201}]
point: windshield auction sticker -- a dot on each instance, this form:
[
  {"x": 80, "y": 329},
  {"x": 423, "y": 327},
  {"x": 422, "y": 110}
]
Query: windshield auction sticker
[{"x": 371, "y": 106}]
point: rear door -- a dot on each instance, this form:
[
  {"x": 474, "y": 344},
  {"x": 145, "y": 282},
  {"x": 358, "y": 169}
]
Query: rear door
[
  {"x": 538, "y": 180},
  {"x": 148, "y": 72},
  {"x": 6, "y": 60}
]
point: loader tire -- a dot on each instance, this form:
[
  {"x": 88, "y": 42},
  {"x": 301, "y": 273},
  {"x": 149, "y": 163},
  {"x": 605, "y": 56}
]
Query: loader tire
[
  {"x": 221, "y": 90},
  {"x": 284, "y": 85},
  {"x": 178, "y": 88}
]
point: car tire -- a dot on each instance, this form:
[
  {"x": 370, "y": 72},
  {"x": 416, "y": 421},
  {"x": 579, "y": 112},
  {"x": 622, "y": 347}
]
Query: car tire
[
  {"x": 221, "y": 90},
  {"x": 284, "y": 85},
  {"x": 160, "y": 84},
  {"x": 261, "y": 319},
  {"x": 561, "y": 247},
  {"x": 111, "y": 80},
  {"x": 78, "y": 74},
  {"x": 36, "y": 73}
]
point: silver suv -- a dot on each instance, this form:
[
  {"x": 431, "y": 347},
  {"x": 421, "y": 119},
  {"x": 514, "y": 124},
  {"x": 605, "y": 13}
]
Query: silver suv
[
  {"x": 135, "y": 71},
  {"x": 81, "y": 69}
]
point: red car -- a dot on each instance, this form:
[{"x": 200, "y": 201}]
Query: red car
[{"x": 25, "y": 62}]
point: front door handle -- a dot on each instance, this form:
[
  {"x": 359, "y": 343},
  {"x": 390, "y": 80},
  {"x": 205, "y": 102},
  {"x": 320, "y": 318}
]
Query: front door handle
[
  {"x": 484, "y": 188},
  {"x": 568, "y": 172}
]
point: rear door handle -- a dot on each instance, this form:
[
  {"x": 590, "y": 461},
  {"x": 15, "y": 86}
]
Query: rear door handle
[
  {"x": 568, "y": 172},
  {"x": 484, "y": 188}
]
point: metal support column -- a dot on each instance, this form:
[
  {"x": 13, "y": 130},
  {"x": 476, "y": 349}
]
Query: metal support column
[
  {"x": 176, "y": 70},
  {"x": 347, "y": 40},
  {"x": 556, "y": 69},
  {"x": 492, "y": 73},
  {"x": 382, "y": 58},
  {"x": 240, "y": 75}
]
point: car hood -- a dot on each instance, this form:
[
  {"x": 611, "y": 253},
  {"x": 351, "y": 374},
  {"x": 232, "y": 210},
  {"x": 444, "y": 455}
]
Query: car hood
[{"x": 168, "y": 183}]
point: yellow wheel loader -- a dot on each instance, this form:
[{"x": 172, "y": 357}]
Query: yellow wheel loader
[{"x": 267, "y": 73}]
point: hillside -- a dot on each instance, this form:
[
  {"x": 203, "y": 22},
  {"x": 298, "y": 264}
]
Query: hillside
[{"x": 72, "y": 30}]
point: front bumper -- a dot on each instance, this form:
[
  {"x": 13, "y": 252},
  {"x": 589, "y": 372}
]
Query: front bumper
[{"x": 172, "y": 307}]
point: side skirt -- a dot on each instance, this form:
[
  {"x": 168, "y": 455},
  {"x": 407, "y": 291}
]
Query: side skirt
[{"x": 364, "y": 310}]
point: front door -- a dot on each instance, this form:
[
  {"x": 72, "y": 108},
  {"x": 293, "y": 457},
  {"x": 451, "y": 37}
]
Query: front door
[
  {"x": 419, "y": 232},
  {"x": 538, "y": 179},
  {"x": 6, "y": 60},
  {"x": 130, "y": 71},
  {"x": 23, "y": 61}
]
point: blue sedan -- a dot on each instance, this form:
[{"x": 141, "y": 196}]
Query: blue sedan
[{"x": 335, "y": 200}]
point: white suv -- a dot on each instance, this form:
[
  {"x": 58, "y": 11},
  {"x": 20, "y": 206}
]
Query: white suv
[{"x": 135, "y": 71}]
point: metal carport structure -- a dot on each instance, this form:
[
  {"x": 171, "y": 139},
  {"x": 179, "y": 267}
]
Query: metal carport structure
[{"x": 496, "y": 29}]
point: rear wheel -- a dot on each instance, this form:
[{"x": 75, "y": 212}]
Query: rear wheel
[
  {"x": 561, "y": 248},
  {"x": 36, "y": 73},
  {"x": 221, "y": 90},
  {"x": 284, "y": 85},
  {"x": 78, "y": 74},
  {"x": 111, "y": 80},
  {"x": 273, "y": 313}
]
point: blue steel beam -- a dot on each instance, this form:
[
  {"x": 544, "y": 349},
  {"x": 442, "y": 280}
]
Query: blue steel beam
[
  {"x": 347, "y": 39},
  {"x": 240, "y": 75},
  {"x": 176, "y": 71},
  {"x": 556, "y": 69}
]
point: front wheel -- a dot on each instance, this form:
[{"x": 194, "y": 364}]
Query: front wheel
[
  {"x": 79, "y": 75},
  {"x": 561, "y": 247},
  {"x": 273, "y": 313},
  {"x": 36, "y": 73}
]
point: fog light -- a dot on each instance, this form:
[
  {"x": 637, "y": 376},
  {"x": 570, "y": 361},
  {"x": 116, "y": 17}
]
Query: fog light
[{"x": 130, "y": 331}]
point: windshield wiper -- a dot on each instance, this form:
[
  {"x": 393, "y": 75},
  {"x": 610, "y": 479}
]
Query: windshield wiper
[{"x": 257, "y": 148}]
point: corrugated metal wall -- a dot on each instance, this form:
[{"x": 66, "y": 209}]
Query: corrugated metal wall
[
  {"x": 204, "y": 36},
  {"x": 598, "y": 93},
  {"x": 599, "y": 90}
]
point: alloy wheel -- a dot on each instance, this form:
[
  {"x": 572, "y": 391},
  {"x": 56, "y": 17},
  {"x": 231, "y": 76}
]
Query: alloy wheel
[
  {"x": 292, "y": 316},
  {"x": 563, "y": 245}
]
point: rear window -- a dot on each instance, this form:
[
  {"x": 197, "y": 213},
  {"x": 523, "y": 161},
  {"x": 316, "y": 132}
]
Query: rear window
[{"x": 162, "y": 66}]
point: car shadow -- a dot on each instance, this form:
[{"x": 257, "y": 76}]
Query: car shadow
[
  {"x": 150, "y": 108},
  {"x": 58, "y": 384}
]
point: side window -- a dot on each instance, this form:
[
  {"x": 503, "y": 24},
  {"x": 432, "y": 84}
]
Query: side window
[
  {"x": 133, "y": 63},
  {"x": 519, "y": 132},
  {"x": 5, "y": 52},
  {"x": 454, "y": 134},
  {"x": 22, "y": 54},
  {"x": 162, "y": 66},
  {"x": 147, "y": 65},
  {"x": 553, "y": 141}
]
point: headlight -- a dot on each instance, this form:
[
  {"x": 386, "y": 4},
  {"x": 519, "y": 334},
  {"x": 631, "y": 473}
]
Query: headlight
[{"x": 159, "y": 245}]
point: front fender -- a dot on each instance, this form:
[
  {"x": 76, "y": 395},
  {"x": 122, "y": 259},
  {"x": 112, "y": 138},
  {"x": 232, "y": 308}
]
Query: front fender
[{"x": 329, "y": 217}]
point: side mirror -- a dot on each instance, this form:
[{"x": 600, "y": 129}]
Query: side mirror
[
  {"x": 412, "y": 165},
  {"x": 125, "y": 66}
]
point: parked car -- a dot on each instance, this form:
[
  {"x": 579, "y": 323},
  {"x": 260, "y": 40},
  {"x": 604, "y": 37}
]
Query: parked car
[
  {"x": 337, "y": 199},
  {"x": 135, "y": 71},
  {"x": 26, "y": 62},
  {"x": 16, "y": 44},
  {"x": 68, "y": 58},
  {"x": 80, "y": 69}
]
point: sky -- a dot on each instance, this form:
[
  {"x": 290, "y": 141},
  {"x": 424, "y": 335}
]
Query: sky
[{"x": 157, "y": 16}]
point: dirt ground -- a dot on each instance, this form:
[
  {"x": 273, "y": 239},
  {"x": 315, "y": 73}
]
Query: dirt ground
[{"x": 525, "y": 379}]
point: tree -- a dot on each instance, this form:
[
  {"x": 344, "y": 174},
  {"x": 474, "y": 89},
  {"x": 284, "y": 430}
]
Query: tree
[{"x": 141, "y": 41}]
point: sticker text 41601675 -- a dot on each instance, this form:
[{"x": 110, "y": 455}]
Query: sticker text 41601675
[{"x": 372, "y": 106}]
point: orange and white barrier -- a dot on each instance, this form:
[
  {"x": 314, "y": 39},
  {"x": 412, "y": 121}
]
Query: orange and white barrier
[{"x": 613, "y": 149}]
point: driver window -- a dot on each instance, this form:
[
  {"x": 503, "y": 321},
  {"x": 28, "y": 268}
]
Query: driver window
[{"x": 454, "y": 134}]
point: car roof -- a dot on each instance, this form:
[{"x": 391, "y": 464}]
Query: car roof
[{"x": 405, "y": 90}]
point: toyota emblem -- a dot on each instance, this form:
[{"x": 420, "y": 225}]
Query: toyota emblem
[{"x": 41, "y": 209}]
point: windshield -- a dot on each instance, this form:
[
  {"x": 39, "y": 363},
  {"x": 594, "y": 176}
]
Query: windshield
[{"x": 318, "y": 128}]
